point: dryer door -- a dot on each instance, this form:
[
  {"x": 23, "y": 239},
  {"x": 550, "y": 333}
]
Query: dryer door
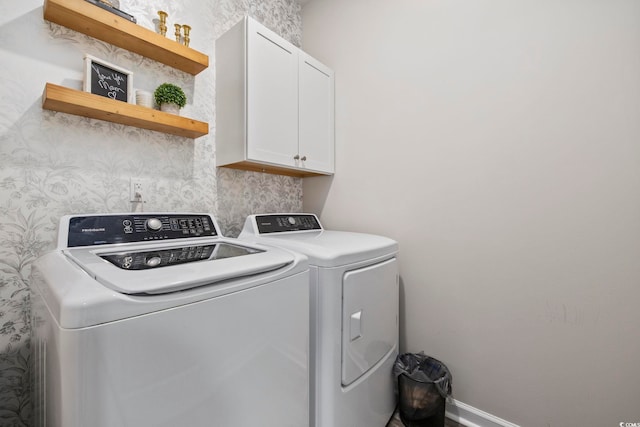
[{"x": 369, "y": 317}]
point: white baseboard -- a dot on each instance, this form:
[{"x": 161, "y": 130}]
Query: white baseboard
[{"x": 472, "y": 417}]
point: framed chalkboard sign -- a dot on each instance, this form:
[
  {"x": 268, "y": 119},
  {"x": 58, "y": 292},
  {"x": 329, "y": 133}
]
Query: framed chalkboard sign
[{"x": 105, "y": 79}]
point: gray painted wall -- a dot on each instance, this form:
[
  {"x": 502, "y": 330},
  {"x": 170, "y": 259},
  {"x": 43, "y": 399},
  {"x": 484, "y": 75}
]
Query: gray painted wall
[{"x": 499, "y": 143}]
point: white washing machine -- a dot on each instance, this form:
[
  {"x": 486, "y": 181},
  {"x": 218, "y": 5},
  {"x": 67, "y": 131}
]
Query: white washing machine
[
  {"x": 354, "y": 316},
  {"x": 156, "y": 320}
]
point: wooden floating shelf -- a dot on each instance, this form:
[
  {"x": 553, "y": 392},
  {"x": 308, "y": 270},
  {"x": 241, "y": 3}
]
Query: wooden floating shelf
[
  {"x": 93, "y": 21},
  {"x": 71, "y": 101}
]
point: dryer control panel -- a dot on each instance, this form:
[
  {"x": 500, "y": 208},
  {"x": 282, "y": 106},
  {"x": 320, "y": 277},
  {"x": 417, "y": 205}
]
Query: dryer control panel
[
  {"x": 92, "y": 230},
  {"x": 277, "y": 223}
]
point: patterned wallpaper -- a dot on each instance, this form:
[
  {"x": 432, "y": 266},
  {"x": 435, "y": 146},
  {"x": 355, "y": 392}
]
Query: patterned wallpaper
[{"x": 53, "y": 164}]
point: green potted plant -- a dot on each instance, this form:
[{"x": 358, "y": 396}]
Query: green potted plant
[{"x": 170, "y": 98}]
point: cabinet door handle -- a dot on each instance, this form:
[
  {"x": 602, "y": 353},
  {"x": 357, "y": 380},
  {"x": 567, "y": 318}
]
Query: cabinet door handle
[
  {"x": 304, "y": 158},
  {"x": 296, "y": 157}
]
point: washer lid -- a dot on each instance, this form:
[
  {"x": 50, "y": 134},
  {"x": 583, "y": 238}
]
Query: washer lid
[{"x": 157, "y": 269}]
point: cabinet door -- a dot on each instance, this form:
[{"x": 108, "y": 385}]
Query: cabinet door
[
  {"x": 316, "y": 119},
  {"x": 272, "y": 97}
]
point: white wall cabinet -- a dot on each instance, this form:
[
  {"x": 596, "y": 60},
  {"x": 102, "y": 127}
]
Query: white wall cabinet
[{"x": 274, "y": 104}]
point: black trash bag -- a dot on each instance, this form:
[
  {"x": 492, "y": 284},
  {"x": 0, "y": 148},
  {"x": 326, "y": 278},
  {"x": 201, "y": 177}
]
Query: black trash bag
[{"x": 423, "y": 385}]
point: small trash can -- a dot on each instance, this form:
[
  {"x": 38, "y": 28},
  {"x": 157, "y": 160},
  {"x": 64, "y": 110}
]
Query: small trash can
[{"x": 423, "y": 386}]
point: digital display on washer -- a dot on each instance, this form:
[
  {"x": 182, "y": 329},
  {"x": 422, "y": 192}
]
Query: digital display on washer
[
  {"x": 108, "y": 229},
  {"x": 166, "y": 257}
]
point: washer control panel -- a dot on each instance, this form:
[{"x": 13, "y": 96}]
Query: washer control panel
[
  {"x": 279, "y": 223},
  {"x": 91, "y": 230}
]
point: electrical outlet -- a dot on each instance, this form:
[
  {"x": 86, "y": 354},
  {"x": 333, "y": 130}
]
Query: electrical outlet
[{"x": 136, "y": 191}]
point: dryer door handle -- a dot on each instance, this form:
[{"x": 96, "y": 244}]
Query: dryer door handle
[{"x": 355, "y": 326}]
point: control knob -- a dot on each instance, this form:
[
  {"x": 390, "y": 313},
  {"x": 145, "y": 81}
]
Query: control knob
[
  {"x": 154, "y": 224},
  {"x": 291, "y": 220}
]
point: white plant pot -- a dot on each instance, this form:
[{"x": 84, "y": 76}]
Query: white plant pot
[
  {"x": 144, "y": 98},
  {"x": 170, "y": 108}
]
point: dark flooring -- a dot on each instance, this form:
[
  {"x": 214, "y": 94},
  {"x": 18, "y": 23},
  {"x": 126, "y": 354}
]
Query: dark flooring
[{"x": 395, "y": 422}]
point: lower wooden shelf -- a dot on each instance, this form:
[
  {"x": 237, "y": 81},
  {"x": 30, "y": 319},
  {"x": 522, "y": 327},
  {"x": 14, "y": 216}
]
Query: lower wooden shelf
[{"x": 71, "y": 101}]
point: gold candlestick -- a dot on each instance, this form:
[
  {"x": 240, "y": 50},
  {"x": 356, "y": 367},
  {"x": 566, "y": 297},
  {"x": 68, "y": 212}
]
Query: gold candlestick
[
  {"x": 163, "y": 22},
  {"x": 186, "y": 29},
  {"x": 178, "y": 32}
]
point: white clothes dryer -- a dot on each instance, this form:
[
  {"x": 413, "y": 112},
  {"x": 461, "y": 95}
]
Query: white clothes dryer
[
  {"x": 354, "y": 316},
  {"x": 156, "y": 320}
]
